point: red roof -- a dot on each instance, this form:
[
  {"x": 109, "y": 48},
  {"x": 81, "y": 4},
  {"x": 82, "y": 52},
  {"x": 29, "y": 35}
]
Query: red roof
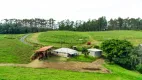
[{"x": 44, "y": 48}]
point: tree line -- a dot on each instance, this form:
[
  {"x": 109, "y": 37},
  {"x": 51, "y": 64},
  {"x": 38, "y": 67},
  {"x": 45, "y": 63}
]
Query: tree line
[
  {"x": 15, "y": 26},
  {"x": 101, "y": 24}
]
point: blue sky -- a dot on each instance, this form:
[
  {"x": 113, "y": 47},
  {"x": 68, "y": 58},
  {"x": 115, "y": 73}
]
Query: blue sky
[{"x": 70, "y": 9}]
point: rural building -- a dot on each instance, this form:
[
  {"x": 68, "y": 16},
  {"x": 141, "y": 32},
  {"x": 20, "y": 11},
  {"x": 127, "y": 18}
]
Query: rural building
[
  {"x": 65, "y": 52},
  {"x": 41, "y": 53},
  {"x": 95, "y": 52},
  {"x": 140, "y": 45}
]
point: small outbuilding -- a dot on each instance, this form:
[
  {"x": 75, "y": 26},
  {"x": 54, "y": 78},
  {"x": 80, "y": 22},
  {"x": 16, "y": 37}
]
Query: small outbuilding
[
  {"x": 95, "y": 52},
  {"x": 41, "y": 53},
  {"x": 65, "y": 52}
]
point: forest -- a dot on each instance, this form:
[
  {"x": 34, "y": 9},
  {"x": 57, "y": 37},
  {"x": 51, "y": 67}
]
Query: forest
[{"x": 15, "y": 26}]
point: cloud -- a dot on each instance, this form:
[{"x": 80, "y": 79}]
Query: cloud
[{"x": 70, "y": 9}]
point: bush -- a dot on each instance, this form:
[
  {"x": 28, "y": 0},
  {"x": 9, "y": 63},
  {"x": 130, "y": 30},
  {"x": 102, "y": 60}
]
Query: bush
[
  {"x": 117, "y": 51},
  {"x": 139, "y": 68},
  {"x": 85, "y": 51},
  {"x": 96, "y": 46}
]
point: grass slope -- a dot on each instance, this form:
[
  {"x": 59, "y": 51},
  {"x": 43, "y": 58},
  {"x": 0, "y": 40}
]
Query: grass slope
[
  {"x": 14, "y": 51},
  {"x": 16, "y": 73},
  {"x": 69, "y": 38}
]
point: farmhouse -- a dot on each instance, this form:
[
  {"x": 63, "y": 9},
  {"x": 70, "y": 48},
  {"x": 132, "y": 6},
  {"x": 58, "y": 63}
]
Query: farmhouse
[
  {"x": 95, "y": 52},
  {"x": 65, "y": 52},
  {"x": 41, "y": 53}
]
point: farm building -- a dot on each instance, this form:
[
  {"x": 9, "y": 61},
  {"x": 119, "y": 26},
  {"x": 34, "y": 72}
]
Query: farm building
[
  {"x": 41, "y": 53},
  {"x": 95, "y": 52},
  {"x": 65, "y": 52}
]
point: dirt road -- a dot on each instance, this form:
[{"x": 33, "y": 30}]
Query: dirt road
[
  {"x": 22, "y": 39},
  {"x": 96, "y": 66}
]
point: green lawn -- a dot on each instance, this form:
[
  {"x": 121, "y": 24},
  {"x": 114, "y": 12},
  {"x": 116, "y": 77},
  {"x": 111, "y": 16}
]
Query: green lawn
[
  {"x": 82, "y": 58},
  {"x": 62, "y": 38},
  {"x": 14, "y": 51},
  {"x": 69, "y": 38},
  {"x": 17, "y": 73}
]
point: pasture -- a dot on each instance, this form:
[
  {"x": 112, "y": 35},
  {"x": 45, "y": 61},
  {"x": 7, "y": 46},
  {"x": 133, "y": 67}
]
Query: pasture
[
  {"x": 70, "y": 38},
  {"x": 14, "y": 51}
]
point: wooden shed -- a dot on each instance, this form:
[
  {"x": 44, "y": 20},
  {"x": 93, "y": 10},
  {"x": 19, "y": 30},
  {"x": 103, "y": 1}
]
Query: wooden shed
[{"x": 41, "y": 53}]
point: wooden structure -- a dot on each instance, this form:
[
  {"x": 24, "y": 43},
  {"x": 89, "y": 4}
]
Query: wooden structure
[{"x": 42, "y": 53}]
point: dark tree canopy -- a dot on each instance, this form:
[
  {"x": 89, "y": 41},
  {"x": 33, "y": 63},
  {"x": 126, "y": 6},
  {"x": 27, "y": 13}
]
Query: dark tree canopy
[
  {"x": 118, "y": 51},
  {"x": 16, "y": 26}
]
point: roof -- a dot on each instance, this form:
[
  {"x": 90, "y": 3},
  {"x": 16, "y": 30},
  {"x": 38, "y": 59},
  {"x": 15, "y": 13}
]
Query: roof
[
  {"x": 66, "y": 50},
  {"x": 94, "y": 49},
  {"x": 140, "y": 44},
  {"x": 44, "y": 48}
]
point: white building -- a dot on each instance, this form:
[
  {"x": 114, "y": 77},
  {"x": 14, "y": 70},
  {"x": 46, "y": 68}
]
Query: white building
[
  {"x": 65, "y": 52},
  {"x": 95, "y": 52}
]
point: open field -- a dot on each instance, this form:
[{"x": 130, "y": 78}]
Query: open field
[
  {"x": 70, "y": 38},
  {"x": 62, "y": 38},
  {"x": 19, "y": 73},
  {"x": 14, "y": 51}
]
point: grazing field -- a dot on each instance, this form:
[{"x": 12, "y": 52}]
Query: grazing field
[
  {"x": 19, "y": 73},
  {"x": 14, "y": 51},
  {"x": 62, "y": 38},
  {"x": 70, "y": 38}
]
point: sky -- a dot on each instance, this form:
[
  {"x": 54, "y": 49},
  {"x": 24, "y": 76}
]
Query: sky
[{"x": 70, "y": 9}]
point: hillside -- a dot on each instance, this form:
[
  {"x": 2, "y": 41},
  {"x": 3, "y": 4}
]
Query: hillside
[
  {"x": 14, "y": 51},
  {"x": 70, "y": 38}
]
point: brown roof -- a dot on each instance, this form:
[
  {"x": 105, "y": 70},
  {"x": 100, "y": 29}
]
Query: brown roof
[{"x": 44, "y": 48}]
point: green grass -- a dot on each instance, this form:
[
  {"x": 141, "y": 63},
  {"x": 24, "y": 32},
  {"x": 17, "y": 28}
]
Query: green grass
[
  {"x": 18, "y": 73},
  {"x": 82, "y": 58},
  {"x": 14, "y": 51},
  {"x": 69, "y": 38}
]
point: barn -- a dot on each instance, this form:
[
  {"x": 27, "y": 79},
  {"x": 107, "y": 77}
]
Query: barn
[
  {"x": 41, "y": 53},
  {"x": 65, "y": 52},
  {"x": 95, "y": 52}
]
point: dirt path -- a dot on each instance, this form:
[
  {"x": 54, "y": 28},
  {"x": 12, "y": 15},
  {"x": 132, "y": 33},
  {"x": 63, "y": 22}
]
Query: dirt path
[
  {"x": 34, "y": 38},
  {"x": 22, "y": 39},
  {"x": 12, "y": 64},
  {"x": 95, "y": 66}
]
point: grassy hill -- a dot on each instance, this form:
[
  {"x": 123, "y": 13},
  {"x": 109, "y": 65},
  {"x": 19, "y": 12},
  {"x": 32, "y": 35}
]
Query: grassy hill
[
  {"x": 69, "y": 38},
  {"x": 14, "y": 51},
  {"x": 16, "y": 73}
]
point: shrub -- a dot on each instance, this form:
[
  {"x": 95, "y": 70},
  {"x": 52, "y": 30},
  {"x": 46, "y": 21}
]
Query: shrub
[
  {"x": 139, "y": 68},
  {"x": 85, "y": 51},
  {"x": 117, "y": 51},
  {"x": 96, "y": 46}
]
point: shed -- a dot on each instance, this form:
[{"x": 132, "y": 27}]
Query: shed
[
  {"x": 43, "y": 49},
  {"x": 41, "y": 53},
  {"x": 95, "y": 52},
  {"x": 66, "y": 52},
  {"x": 140, "y": 45}
]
